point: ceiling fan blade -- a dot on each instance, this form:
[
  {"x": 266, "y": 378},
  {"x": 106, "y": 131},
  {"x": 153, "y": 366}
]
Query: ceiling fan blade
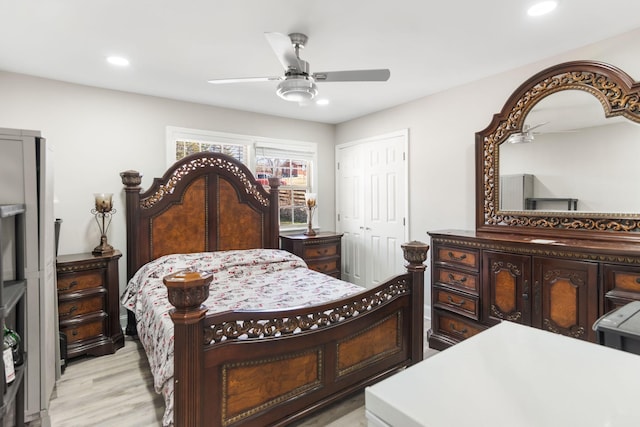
[
  {"x": 244, "y": 80},
  {"x": 284, "y": 50},
  {"x": 381, "y": 75},
  {"x": 526, "y": 128}
]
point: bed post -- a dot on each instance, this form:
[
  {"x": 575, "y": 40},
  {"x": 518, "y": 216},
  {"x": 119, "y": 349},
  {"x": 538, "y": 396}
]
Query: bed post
[
  {"x": 131, "y": 180},
  {"x": 187, "y": 290},
  {"x": 274, "y": 229},
  {"x": 415, "y": 253}
]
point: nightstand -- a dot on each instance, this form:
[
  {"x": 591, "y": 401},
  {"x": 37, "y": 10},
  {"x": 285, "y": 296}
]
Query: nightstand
[
  {"x": 88, "y": 303},
  {"x": 321, "y": 252}
]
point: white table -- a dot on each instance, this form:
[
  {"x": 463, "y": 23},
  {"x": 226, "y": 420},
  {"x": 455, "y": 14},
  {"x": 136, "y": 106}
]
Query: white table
[{"x": 512, "y": 376}]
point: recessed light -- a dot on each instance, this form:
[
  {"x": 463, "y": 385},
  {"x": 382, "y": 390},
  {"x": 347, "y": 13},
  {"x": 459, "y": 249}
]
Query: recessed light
[
  {"x": 118, "y": 60},
  {"x": 322, "y": 102},
  {"x": 542, "y": 8}
]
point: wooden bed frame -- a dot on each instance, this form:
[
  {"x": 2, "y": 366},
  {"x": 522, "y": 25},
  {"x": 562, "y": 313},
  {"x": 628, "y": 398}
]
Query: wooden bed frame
[{"x": 273, "y": 376}]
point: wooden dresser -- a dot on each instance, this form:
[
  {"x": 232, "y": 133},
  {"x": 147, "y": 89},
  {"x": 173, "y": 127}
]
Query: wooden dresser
[
  {"x": 321, "y": 252},
  {"x": 88, "y": 303},
  {"x": 555, "y": 284}
]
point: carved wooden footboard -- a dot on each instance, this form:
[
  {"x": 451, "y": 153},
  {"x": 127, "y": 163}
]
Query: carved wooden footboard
[{"x": 273, "y": 367}]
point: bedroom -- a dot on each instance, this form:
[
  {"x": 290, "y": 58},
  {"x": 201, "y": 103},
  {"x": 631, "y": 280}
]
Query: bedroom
[{"x": 100, "y": 132}]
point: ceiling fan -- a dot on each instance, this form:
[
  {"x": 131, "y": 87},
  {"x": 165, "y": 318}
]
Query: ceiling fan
[
  {"x": 526, "y": 135},
  {"x": 298, "y": 84}
]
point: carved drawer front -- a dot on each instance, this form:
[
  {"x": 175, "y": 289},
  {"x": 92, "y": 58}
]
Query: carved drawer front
[
  {"x": 73, "y": 282},
  {"x": 457, "y": 279},
  {"x": 468, "y": 258},
  {"x": 460, "y": 303},
  {"x": 92, "y": 327},
  {"x": 621, "y": 284},
  {"x": 320, "y": 251},
  {"x": 455, "y": 327},
  {"x": 80, "y": 306},
  {"x": 325, "y": 266}
]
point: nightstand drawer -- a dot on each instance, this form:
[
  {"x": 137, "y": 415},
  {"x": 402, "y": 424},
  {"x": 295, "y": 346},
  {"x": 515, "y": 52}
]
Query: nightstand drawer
[
  {"x": 73, "y": 282},
  {"x": 320, "y": 251},
  {"x": 91, "y": 327},
  {"x": 324, "y": 266},
  {"x": 80, "y": 306}
]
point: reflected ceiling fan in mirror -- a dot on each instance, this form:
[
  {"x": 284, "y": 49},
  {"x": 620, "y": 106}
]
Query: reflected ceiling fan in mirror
[
  {"x": 528, "y": 135},
  {"x": 298, "y": 84}
]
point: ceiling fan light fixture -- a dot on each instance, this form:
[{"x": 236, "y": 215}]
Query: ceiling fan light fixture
[{"x": 297, "y": 89}]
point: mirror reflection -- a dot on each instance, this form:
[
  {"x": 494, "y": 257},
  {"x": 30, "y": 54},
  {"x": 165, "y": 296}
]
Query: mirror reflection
[{"x": 570, "y": 157}]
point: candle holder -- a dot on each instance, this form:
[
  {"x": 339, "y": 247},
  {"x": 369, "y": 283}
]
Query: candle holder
[
  {"x": 103, "y": 212},
  {"x": 310, "y": 202}
]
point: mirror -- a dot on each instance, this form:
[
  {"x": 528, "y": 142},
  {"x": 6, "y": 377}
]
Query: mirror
[
  {"x": 571, "y": 157},
  {"x": 562, "y": 155}
]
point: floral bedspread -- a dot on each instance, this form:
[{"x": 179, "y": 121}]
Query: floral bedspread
[{"x": 243, "y": 279}]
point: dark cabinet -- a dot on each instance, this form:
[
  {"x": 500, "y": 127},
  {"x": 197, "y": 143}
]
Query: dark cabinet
[
  {"x": 88, "y": 303},
  {"x": 321, "y": 252},
  {"x": 556, "y": 295},
  {"x": 561, "y": 286}
]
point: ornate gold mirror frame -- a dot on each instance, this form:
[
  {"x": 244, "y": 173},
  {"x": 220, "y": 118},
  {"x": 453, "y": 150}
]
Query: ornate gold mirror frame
[{"x": 619, "y": 95}]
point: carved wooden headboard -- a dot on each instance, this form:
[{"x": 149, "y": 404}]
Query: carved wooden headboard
[{"x": 204, "y": 202}]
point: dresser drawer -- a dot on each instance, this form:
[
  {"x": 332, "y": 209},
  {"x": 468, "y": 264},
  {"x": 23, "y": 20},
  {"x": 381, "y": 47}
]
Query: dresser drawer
[
  {"x": 621, "y": 284},
  {"x": 455, "y": 327},
  {"x": 621, "y": 278},
  {"x": 93, "y": 326},
  {"x": 462, "y": 304},
  {"x": 80, "y": 306},
  {"x": 73, "y": 282},
  {"x": 457, "y": 279},
  {"x": 320, "y": 251},
  {"x": 324, "y": 266},
  {"x": 467, "y": 258}
]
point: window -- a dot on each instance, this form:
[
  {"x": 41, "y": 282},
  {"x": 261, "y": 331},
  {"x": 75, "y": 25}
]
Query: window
[{"x": 291, "y": 161}]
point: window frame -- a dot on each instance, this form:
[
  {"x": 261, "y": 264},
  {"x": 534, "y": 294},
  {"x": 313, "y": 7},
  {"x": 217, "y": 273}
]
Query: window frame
[{"x": 304, "y": 150}]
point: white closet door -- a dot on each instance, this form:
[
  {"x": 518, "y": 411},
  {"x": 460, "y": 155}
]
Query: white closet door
[
  {"x": 372, "y": 206},
  {"x": 385, "y": 200},
  {"x": 350, "y": 199}
]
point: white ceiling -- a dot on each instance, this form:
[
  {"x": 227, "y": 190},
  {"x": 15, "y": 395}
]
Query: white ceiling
[{"x": 175, "y": 46}]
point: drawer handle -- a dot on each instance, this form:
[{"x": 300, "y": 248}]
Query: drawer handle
[
  {"x": 74, "y": 332},
  {"x": 70, "y": 312},
  {"x": 460, "y": 281},
  {"x": 637, "y": 279},
  {"x": 461, "y": 332},
  {"x": 71, "y": 285},
  {"x": 452, "y": 302},
  {"x": 455, "y": 258},
  {"x": 323, "y": 251}
]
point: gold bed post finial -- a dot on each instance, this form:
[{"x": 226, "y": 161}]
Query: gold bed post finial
[{"x": 415, "y": 253}]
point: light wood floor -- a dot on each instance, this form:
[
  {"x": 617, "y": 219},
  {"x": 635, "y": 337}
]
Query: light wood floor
[{"x": 117, "y": 390}]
